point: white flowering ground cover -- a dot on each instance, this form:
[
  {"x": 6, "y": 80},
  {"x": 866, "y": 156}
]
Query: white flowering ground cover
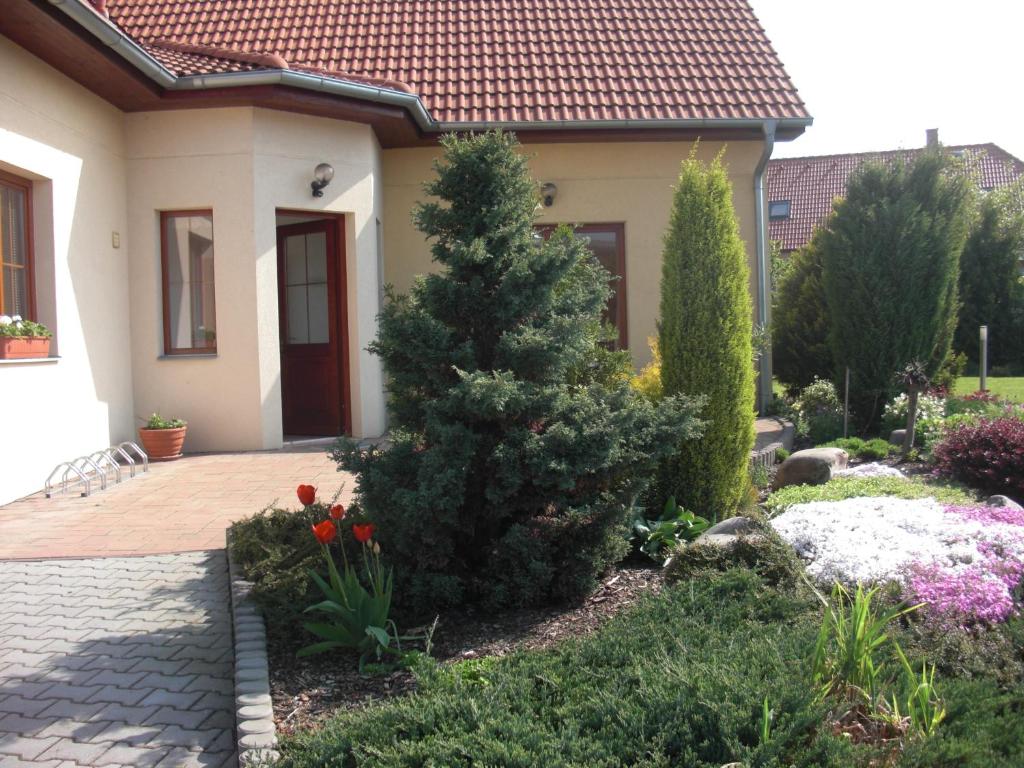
[
  {"x": 874, "y": 469},
  {"x": 963, "y": 562}
]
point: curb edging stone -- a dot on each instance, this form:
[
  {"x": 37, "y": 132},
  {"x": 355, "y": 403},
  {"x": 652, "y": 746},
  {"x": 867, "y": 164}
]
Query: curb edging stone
[{"x": 254, "y": 711}]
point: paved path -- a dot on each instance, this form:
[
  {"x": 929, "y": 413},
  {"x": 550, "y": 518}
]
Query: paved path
[
  {"x": 116, "y": 662},
  {"x": 175, "y": 507}
]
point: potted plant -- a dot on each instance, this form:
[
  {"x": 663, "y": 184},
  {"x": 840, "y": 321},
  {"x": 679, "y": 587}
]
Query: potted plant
[
  {"x": 163, "y": 438},
  {"x": 20, "y": 339}
]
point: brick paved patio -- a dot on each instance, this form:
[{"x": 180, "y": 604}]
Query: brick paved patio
[
  {"x": 116, "y": 662},
  {"x": 176, "y": 507}
]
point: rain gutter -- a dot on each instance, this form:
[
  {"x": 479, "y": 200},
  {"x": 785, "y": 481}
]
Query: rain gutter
[{"x": 764, "y": 389}]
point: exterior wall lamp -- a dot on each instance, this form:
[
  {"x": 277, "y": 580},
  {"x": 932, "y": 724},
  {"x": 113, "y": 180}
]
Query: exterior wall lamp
[
  {"x": 547, "y": 194},
  {"x": 322, "y": 176}
]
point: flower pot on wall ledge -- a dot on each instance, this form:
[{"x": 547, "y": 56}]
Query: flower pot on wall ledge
[
  {"x": 162, "y": 444},
  {"x": 24, "y": 347}
]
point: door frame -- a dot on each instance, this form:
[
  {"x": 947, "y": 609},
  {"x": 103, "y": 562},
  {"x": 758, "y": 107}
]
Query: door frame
[{"x": 340, "y": 301}]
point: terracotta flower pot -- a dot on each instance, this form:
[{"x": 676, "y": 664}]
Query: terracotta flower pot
[
  {"x": 21, "y": 347},
  {"x": 163, "y": 444}
]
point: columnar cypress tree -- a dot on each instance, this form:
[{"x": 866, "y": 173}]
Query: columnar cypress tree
[
  {"x": 891, "y": 258},
  {"x": 705, "y": 338},
  {"x": 800, "y": 325},
  {"x": 989, "y": 273},
  {"x": 511, "y": 477}
]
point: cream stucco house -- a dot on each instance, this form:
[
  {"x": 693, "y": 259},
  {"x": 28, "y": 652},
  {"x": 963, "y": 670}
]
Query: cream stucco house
[{"x": 157, "y": 160}]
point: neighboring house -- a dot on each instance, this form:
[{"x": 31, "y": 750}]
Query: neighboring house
[
  {"x": 157, "y": 159},
  {"x": 801, "y": 189}
]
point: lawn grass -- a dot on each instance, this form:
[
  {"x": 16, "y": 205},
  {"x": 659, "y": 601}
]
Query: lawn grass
[{"x": 1010, "y": 387}]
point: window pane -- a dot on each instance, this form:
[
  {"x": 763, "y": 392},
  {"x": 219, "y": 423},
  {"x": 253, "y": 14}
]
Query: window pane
[
  {"x": 316, "y": 255},
  {"x": 15, "y": 292},
  {"x": 319, "y": 332},
  {"x": 12, "y": 203},
  {"x": 14, "y": 300},
  {"x": 298, "y": 314},
  {"x": 189, "y": 261},
  {"x": 605, "y": 247},
  {"x": 295, "y": 260}
]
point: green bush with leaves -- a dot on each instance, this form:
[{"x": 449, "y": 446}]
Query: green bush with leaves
[
  {"x": 655, "y": 538},
  {"x": 762, "y": 551},
  {"x": 869, "y": 450},
  {"x": 679, "y": 680},
  {"x": 705, "y": 339},
  {"x": 891, "y": 261},
  {"x": 275, "y": 550},
  {"x": 513, "y": 471},
  {"x": 800, "y": 322},
  {"x": 818, "y": 412}
]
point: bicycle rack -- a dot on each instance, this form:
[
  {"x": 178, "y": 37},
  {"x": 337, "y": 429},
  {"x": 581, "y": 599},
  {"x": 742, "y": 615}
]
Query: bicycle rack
[
  {"x": 104, "y": 459},
  {"x": 69, "y": 468},
  {"x": 100, "y": 465},
  {"x": 129, "y": 445},
  {"x": 87, "y": 465}
]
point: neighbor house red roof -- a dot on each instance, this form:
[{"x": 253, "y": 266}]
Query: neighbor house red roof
[
  {"x": 811, "y": 184},
  {"x": 493, "y": 61}
]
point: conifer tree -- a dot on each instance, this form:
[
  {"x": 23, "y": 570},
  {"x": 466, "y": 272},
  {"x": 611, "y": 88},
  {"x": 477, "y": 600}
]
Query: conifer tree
[
  {"x": 705, "y": 339},
  {"x": 511, "y": 475},
  {"x": 989, "y": 279},
  {"x": 891, "y": 259},
  {"x": 800, "y": 324}
]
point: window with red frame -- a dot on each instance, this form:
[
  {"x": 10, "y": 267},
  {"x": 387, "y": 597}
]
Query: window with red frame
[
  {"x": 17, "y": 289},
  {"x": 608, "y": 244},
  {"x": 190, "y": 309}
]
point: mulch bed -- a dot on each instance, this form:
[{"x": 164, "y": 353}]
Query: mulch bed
[{"x": 306, "y": 691}]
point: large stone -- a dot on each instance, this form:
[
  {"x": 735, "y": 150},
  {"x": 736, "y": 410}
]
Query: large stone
[
  {"x": 898, "y": 436},
  {"x": 814, "y": 466},
  {"x": 723, "y": 534},
  {"x": 732, "y": 525},
  {"x": 1004, "y": 501}
]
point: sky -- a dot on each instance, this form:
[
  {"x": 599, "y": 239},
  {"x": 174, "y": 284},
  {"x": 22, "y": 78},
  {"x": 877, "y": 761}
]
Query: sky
[{"x": 875, "y": 74}]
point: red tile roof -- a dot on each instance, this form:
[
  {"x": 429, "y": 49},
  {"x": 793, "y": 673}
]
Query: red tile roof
[
  {"x": 494, "y": 61},
  {"x": 811, "y": 184}
]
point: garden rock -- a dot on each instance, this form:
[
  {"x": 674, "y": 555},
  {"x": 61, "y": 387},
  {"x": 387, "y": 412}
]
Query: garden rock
[
  {"x": 898, "y": 436},
  {"x": 813, "y": 466},
  {"x": 733, "y": 525},
  {"x": 1002, "y": 501}
]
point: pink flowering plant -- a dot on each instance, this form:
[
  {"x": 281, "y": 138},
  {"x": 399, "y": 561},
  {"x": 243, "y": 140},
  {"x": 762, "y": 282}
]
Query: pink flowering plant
[
  {"x": 983, "y": 590},
  {"x": 963, "y": 562}
]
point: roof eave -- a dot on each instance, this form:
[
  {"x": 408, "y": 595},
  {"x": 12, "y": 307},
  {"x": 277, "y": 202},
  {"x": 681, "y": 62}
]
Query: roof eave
[{"x": 84, "y": 14}]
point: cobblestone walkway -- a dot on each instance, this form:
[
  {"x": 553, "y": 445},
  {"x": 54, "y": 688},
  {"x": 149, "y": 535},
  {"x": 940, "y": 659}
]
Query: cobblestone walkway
[{"x": 116, "y": 662}]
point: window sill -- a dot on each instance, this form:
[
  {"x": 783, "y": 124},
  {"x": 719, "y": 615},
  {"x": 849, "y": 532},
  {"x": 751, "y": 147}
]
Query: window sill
[
  {"x": 190, "y": 356},
  {"x": 29, "y": 360}
]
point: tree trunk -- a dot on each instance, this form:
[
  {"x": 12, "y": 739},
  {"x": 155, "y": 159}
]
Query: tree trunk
[{"x": 908, "y": 439}]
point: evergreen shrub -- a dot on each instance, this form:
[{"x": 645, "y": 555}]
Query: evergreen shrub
[{"x": 518, "y": 449}]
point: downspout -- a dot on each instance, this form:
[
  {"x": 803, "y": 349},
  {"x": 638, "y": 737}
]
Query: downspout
[{"x": 764, "y": 388}]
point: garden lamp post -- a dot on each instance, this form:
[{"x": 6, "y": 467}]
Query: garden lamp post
[{"x": 983, "y": 357}]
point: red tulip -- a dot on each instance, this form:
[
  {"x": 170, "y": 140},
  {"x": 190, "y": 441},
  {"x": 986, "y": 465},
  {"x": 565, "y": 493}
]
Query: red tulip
[
  {"x": 324, "y": 531},
  {"x": 306, "y": 494},
  {"x": 338, "y": 512},
  {"x": 364, "y": 532}
]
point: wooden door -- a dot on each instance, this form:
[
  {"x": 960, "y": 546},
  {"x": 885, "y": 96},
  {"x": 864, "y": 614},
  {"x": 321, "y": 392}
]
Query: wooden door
[{"x": 311, "y": 295}]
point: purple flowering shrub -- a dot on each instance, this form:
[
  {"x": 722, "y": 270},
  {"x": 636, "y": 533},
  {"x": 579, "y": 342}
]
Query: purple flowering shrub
[
  {"x": 988, "y": 455},
  {"x": 985, "y": 589}
]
